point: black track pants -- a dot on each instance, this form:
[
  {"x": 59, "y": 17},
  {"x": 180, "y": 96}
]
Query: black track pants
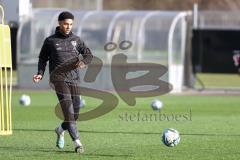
[{"x": 69, "y": 99}]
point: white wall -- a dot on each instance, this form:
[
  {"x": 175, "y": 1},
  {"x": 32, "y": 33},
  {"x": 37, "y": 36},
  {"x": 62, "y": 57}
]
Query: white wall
[{"x": 15, "y": 9}]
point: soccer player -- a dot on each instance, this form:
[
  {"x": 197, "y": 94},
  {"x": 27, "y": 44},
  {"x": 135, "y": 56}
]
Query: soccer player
[{"x": 59, "y": 49}]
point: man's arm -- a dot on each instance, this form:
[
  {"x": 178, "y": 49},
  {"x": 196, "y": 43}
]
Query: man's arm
[
  {"x": 42, "y": 62},
  {"x": 85, "y": 52}
]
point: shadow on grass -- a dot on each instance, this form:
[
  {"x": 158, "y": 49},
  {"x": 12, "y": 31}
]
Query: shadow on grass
[
  {"x": 47, "y": 150},
  {"x": 107, "y": 155},
  {"x": 122, "y": 132},
  {"x": 55, "y": 151}
]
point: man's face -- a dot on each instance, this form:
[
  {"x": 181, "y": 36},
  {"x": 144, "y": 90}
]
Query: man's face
[{"x": 66, "y": 25}]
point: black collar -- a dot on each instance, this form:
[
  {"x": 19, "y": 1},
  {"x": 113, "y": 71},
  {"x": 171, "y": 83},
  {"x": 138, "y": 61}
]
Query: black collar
[{"x": 59, "y": 33}]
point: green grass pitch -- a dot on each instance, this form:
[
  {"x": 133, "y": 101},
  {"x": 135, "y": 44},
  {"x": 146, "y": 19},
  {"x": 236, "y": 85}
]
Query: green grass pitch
[{"x": 209, "y": 128}]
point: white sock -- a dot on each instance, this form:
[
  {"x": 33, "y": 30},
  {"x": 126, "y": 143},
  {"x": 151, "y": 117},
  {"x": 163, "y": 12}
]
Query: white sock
[
  {"x": 61, "y": 130},
  {"x": 77, "y": 143}
]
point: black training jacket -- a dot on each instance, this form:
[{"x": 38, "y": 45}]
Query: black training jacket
[{"x": 58, "y": 49}]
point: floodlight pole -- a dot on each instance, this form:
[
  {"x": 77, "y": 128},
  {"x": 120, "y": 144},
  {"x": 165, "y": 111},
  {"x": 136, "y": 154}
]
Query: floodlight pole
[
  {"x": 99, "y": 5},
  {"x": 195, "y": 15}
]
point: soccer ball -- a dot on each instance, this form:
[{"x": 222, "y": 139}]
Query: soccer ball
[
  {"x": 170, "y": 137},
  {"x": 156, "y": 104},
  {"x": 25, "y": 100}
]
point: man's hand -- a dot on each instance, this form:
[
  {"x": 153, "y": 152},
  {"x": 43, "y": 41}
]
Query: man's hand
[
  {"x": 80, "y": 64},
  {"x": 236, "y": 59},
  {"x": 37, "y": 78}
]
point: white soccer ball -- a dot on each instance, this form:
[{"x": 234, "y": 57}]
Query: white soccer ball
[
  {"x": 156, "y": 104},
  {"x": 25, "y": 100},
  {"x": 170, "y": 137}
]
